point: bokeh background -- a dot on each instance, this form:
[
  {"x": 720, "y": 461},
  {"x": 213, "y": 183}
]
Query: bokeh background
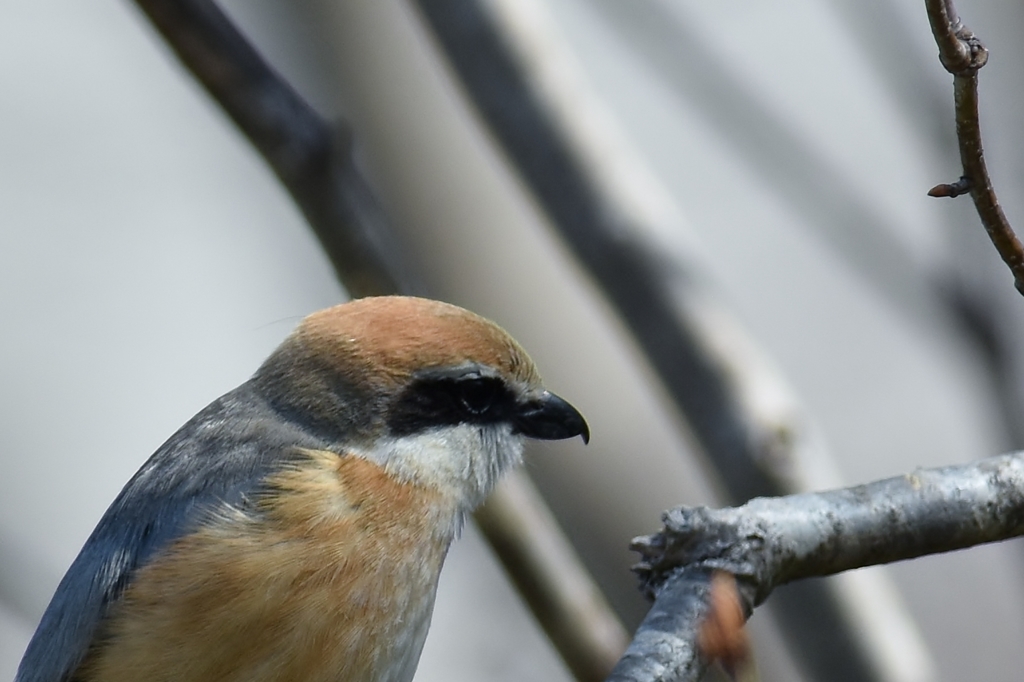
[{"x": 149, "y": 261}]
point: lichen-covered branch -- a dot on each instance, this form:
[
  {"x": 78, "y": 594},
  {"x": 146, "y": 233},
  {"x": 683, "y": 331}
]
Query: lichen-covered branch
[
  {"x": 313, "y": 160},
  {"x": 664, "y": 648},
  {"x": 962, "y": 54},
  {"x": 771, "y": 541}
]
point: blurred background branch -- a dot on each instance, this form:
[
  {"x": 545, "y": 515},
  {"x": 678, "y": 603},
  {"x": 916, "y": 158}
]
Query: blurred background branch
[{"x": 313, "y": 159}]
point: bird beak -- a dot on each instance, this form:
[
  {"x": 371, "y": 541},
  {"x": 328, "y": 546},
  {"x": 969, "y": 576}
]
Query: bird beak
[{"x": 548, "y": 417}]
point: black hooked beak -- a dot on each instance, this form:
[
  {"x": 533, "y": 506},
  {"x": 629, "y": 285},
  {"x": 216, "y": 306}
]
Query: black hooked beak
[{"x": 548, "y": 417}]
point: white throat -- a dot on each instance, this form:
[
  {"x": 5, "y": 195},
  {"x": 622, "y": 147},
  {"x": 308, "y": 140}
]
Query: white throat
[{"x": 464, "y": 461}]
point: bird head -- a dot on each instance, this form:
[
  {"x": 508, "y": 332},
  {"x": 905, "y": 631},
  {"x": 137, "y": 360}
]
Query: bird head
[{"x": 436, "y": 395}]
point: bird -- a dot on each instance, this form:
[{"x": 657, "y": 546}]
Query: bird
[{"x": 295, "y": 528}]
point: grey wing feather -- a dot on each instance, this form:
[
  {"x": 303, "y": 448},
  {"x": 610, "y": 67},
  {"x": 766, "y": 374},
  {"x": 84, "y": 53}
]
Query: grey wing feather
[{"x": 219, "y": 456}]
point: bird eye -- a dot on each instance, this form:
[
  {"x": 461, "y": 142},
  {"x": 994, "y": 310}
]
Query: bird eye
[{"x": 478, "y": 395}]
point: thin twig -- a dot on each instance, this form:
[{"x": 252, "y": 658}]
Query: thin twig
[
  {"x": 313, "y": 160},
  {"x": 954, "y": 52},
  {"x": 962, "y": 54},
  {"x": 771, "y": 541}
]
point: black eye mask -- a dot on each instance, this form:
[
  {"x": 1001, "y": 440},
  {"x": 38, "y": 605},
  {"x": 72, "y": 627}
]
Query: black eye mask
[{"x": 447, "y": 400}]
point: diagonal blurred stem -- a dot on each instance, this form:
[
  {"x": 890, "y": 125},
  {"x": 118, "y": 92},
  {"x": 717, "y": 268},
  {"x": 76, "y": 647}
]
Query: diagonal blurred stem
[
  {"x": 537, "y": 114},
  {"x": 311, "y": 157},
  {"x": 689, "y": 60},
  {"x": 313, "y": 160}
]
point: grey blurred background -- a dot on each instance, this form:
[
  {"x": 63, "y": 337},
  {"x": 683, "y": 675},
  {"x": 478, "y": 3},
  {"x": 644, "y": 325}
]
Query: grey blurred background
[{"x": 149, "y": 262}]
